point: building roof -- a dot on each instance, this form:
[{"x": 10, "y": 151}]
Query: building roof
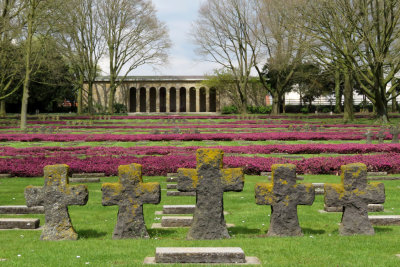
[{"x": 154, "y": 78}]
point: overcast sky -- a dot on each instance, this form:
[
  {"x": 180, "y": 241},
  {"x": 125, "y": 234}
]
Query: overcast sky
[{"x": 178, "y": 15}]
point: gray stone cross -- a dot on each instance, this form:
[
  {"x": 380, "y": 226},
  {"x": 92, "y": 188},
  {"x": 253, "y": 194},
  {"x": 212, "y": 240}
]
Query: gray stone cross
[
  {"x": 369, "y": 136},
  {"x": 394, "y": 131},
  {"x": 209, "y": 181},
  {"x": 354, "y": 194},
  {"x": 381, "y": 136},
  {"x": 56, "y": 196},
  {"x": 130, "y": 193},
  {"x": 284, "y": 194}
]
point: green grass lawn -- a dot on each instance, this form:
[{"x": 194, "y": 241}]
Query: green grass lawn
[{"x": 321, "y": 244}]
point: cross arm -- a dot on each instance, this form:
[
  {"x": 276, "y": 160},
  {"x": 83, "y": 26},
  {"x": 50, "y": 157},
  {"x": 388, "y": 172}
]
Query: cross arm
[
  {"x": 187, "y": 180},
  {"x": 77, "y": 195},
  {"x": 233, "y": 179},
  {"x": 34, "y": 196},
  {"x": 334, "y": 195},
  {"x": 150, "y": 193},
  {"x": 111, "y": 193},
  {"x": 374, "y": 193},
  {"x": 264, "y": 194},
  {"x": 305, "y": 193}
]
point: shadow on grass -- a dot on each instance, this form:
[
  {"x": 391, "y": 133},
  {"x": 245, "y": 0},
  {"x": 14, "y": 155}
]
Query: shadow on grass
[
  {"x": 90, "y": 233},
  {"x": 382, "y": 229},
  {"x": 243, "y": 230},
  {"x": 309, "y": 231},
  {"x": 161, "y": 232}
]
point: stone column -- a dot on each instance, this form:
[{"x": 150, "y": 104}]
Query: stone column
[
  {"x": 167, "y": 99},
  {"x": 157, "y": 99},
  {"x": 147, "y": 100},
  {"x": 207, "y": 99},
  {"x": 178, "y": 102},
  {"x": 197, "y": 100},
  {"x": 188, "y": 100},
  {"x": 137, "y": 99}
]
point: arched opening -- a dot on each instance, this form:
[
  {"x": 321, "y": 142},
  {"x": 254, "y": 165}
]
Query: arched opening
[
  {"x": 163, "y": 99},
  {"x": 192, "y": 95},
  {"x": 182, "y": 99},
  {"x": 153, "y": 99},
  {"x": 172, "y": 99},
  {"x": 203, "y": 99},
  {"x": 213, "y": 100},
  {"x": 132, "y": 99},
  {"x": 142, "y": 99}
]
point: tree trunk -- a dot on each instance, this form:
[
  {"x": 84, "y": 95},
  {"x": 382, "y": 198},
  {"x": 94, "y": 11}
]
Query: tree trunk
[
  {"x": 338, "y": 95},
  {"x": 276, "y": 108},
  {"x": 28, "y": 50},
  {"x": 80, "y": 96},
  {"x": 110, "y": 108},
  {"x": 394, "y": 102},
  {"x": 3, "y": 108},
  {"x": 348, "y": 97},
  {"x": 90, "y": 97}
]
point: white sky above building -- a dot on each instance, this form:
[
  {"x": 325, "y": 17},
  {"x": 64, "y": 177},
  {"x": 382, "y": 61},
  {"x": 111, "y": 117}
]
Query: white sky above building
[{"x": 183, "y": 59}]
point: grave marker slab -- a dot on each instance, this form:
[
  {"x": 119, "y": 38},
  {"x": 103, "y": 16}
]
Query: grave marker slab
[
  {"x": 130, "y": 193},
  {"x": 178, "y": 209},
  {"x": 84, "y": 180},
  {"x": 209, "y": 180},
  {"x": 172, "y": 186},
  {"x": 176, "y": 221},
  {"x": 354, "y": 194},
  {"x": 284, "y": 194},
  {"x": 180, "y": 194},
  {"x": 21, "y": 223},
  {"x": 384, "y": 219},
  {"x": 88, "y": 175},
  {"x": 21, "y": 209},
  {"x": 370, "y": 208},
  {"x": 56, "y": 195}
]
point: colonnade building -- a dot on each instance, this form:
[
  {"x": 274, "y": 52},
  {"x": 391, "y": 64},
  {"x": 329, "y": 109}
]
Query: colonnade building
[{"x": 160, "y": 94}]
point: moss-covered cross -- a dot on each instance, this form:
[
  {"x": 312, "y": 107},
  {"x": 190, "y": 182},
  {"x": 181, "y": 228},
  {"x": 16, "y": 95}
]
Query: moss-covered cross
[
  {"x": 209, "y": 180},
  {"x": 56, "y": 195},
  {"x": 130, "y": 193},
  {"x": 354, "y": 194},
  {"x": 284, "y": 194}
]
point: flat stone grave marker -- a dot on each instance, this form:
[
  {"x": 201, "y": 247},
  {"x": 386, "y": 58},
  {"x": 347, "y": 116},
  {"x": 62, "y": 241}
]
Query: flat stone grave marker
[
  {"x": 384, "y": 219},
  {"x": 205, "y": 255},
  {"x": 84, "y": 180},
  {"x": 5, "y": 175},
  {"x": 383, "y": 178},
  {"x": 176, "y": 221},
  {"x": 21, "y": 209},
  {"x": 130, "y": 193},
  {"x": 172, "y": 186},
  {"x": 377, "y": 173},
  {"x": 209, "y": 180},
  {"x": 354, "y": 194},
  {"x": 56, "y": 195},
  {"x": 370, "y": 208},
  {"x": 180, "y": 194},
  {"x": 20, "y": 223},
  {"x": 88, "y": 175},
  {"x": 284, "y": 194},
  {"x": 178, "y": 209}
]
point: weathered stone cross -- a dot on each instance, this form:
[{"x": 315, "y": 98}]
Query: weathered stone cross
[
  {"x": 209, "y": 181},
  {"x": 284, "y": 194},
  {"x": 394, "y": 131},
  {"x": 354, "y": 194},
  {"x": 130, "y": 193},
  {"x": 381, "y": 136},
  {"x": 56, "y": 196},
  {"x": 369, "y": 136}
]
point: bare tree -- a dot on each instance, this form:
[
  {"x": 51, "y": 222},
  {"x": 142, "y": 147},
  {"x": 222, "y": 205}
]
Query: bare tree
[
  {"x": 134, "y": 37},
  {"x": 224, "y": 37},
  {"x": 10, "y": 64},
  {"x": 284, "y": 47},
  {"x": 80, "y": 35}
]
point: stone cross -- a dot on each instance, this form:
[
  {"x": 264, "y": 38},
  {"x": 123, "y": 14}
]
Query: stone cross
[
  {"x": 284, "y": 194},
  {"x": 394, "y": 131},
  {"x": 130, "y": 193},
  {"x": 381, "y": 136},
  {"x": 209, "y": 180},
  {"x": 354, "y": 194},
  {"x": 56, "y": 195},
  {"x": 369, "y": 136}
]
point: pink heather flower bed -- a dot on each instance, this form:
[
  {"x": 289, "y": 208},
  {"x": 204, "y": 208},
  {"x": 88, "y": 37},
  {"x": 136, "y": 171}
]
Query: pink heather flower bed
[
  {"x": 90, "y": 151},
  {"x": 347, "y": 135},
  {"x": 161, "y": 165}
]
